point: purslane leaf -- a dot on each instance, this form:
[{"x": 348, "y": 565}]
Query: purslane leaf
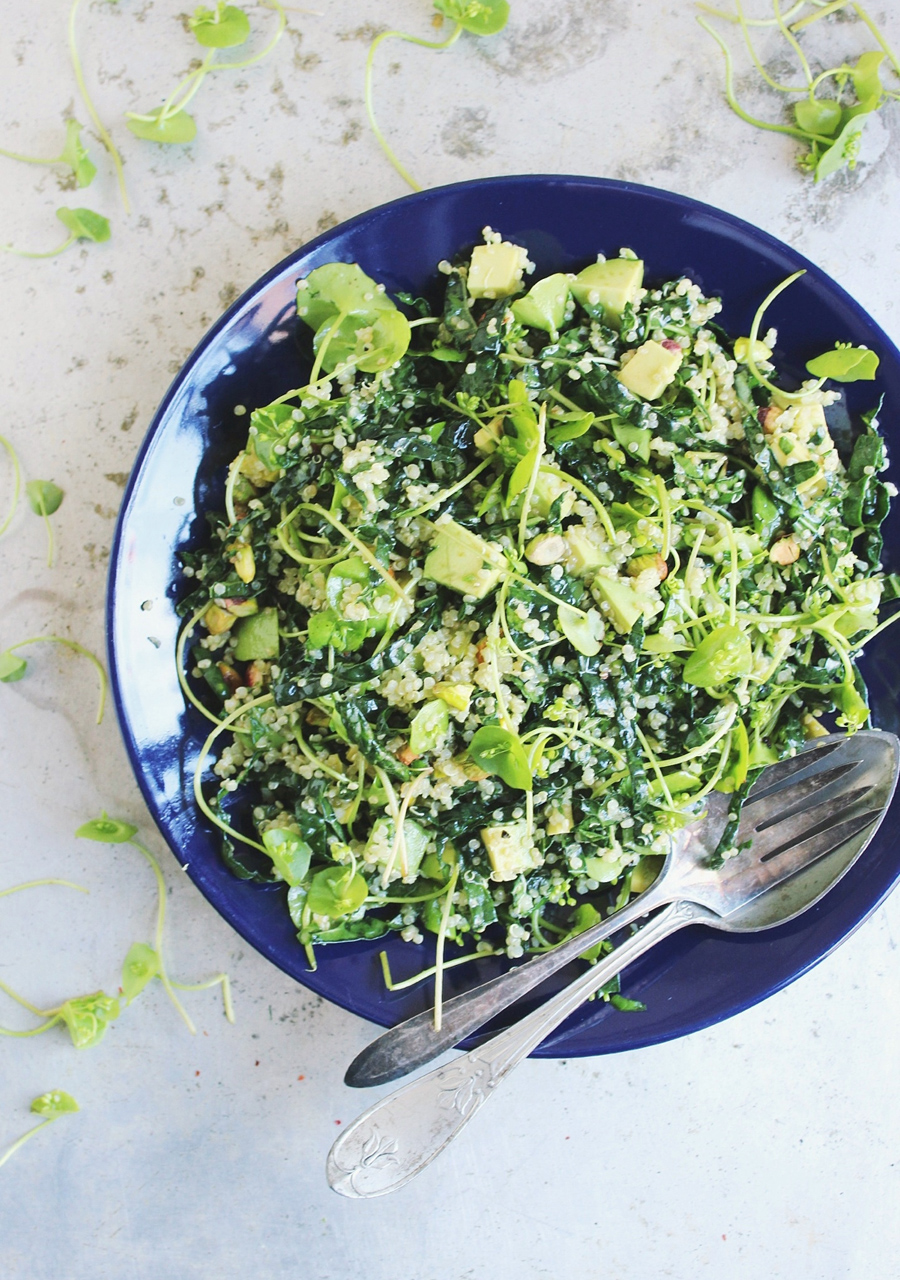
[
  {"x": 176, "y": 128},
  {"x": 139, "y": 967},
  {"x": 84, "y": 224},
  {"x": 54, "y": 1104},
  {"x": 845, "y": 364},
  {"x": 107, "y": 830},
  {"x": 75, "y": 155},
  {"x": 480, "y": 17},
  {"x": 219, "y": 28},
  {"x": 44, "y": 497},
  {"x": 12, "y": 667}
]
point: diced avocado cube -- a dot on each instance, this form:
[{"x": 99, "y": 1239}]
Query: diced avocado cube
[
  {"x": 586, "y": 551},
  {"x": 544, "y": 305},
  {"x": 487, "y": 438},
  {"x": 496, "y": 269},
  {"x": 624, "y": 603},
  {"x": 257, "y": 636},
  {"x": 547, "y": 488},
  {"x": 607, "y": 866},
  {"x": 380, "y": 846},
  {"x": 464, "y": 562},
  {"x": 609, "y": 285},
  {"x": 646, "y": 872},
  {"x": 742, "y": 349},
  {"x": 456, "y": 696},
  {"x": 428, "y": 727},
  {"x": 510, "y": 850},
  {"x": 650, "y": 369}
]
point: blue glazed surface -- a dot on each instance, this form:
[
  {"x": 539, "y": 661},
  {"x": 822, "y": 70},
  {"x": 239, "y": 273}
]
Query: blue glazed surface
[{"x": 252, "y": 355}]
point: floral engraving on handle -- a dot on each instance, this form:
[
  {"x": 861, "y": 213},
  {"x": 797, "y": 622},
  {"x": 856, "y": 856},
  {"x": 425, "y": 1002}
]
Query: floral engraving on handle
[
  {"x": 378, "y": 1152},
  {"x": 467, "y": 1086}
]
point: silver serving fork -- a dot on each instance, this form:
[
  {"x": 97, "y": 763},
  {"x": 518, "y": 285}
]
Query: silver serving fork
[{"x": 807, "y": 820}]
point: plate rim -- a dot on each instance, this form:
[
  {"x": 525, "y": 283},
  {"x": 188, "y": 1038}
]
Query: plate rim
[{"x": 562, "y": 1043}]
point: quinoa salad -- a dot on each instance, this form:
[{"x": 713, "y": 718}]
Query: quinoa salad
[{"x": 510, "y": 585}]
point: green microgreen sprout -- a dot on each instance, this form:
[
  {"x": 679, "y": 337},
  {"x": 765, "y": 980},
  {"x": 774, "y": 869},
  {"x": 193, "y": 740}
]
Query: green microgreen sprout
[
  {"x": 224, "y": 27},
  {"x": 500, "y": 751},
  {"x": 478, "y": 17},
  {"x": 86, "y": 1017},
  {"x": 92, "y": 110},
  {"x": 845, "y": 363},
  {"x": 44, "y": 498},
  {"x": 17, "y": 485},
  {"x": 73, "y": 155},
  {"x": 49, "y": 1105},
  {"x": 83, "y": 224},
  {"x": 143, "y": 962},
  {"x": 836, "y": 103},
  {"x": 13, "y": 668}
]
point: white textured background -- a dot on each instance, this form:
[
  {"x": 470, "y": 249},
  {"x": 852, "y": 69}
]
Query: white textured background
[{"x": 765, "y": 1147}]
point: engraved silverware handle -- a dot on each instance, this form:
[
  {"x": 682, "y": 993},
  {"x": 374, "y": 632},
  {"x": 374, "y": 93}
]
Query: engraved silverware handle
[
  {"x": 414, "y": 1042},
  {"x": 397, "y": 1137}
]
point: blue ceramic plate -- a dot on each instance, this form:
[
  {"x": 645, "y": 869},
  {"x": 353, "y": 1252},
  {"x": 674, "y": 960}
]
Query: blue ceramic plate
[{"x": 251, "y": 356}]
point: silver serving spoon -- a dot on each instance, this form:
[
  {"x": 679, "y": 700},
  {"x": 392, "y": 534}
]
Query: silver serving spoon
[
  {"x": 780, "y": 805},
  {"x": 808, "y": 819}
]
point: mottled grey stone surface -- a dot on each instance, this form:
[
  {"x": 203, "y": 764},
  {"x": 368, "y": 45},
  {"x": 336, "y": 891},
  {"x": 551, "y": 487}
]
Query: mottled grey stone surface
[{"x": 766, "y": 1146}]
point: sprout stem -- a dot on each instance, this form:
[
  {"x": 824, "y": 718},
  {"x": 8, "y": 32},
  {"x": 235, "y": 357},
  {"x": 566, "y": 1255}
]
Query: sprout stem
[
  {"x": 92, "y": 110},
  {"x": 370, "y": 106}
]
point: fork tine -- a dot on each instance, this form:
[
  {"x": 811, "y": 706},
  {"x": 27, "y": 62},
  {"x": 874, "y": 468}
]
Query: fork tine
[
  {"x": 814, "y": 816},
  {"x": 793, "y": 795},
  {"x": 753, "y": 876},
  {"x": 823, "y": 839},
  {"x": 806, "y": 764}
]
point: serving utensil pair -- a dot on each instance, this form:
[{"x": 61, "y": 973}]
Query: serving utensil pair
[{"x": 804, "y": 825}]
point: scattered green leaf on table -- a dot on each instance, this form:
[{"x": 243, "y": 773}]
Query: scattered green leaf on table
[
  {"x": 219, "y": 28},
  {"x": 84, "y": 224},
  {"x": 156, "y": 127},
  {"x": 44, "y": 497}
]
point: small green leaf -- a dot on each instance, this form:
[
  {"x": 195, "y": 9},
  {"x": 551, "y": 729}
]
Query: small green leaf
[
  {"x": 43, "y": 496},
  {"x": 87, "y": 1017},
  {"x": 627, "y": 1006},
  {"x": 845, "y": 364},
  {"x": 84, "y": 224},
  {"x": 54, "y": 1104},
  {"x": 219, "y": 28},
  {"x": 818, "y": 115},
  {"x": 370, "y": 342},
  {"x": 75, "y": 155},
  {"x": 725, "y": 654},
  {"x": 107, "y": 830},
  {"x": 845, "y": 148},
  {"x": 339, "y": 288},
  {"x": 12, "y": 667},
  {"x": 585, "y": 918},
  {"x": 176, "y": 128},
  {"x": 138, "y": 968},
  {"x": 522, "y": 472},
  {"x": 571, "y": 426},
  {"x": 336, "y": 891},
  {"x": 500, "y": 751},
  {"x": 290, "y": 853},
  {"x": 867, "y": 81},
  {"x": 481, "y": 17}
]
